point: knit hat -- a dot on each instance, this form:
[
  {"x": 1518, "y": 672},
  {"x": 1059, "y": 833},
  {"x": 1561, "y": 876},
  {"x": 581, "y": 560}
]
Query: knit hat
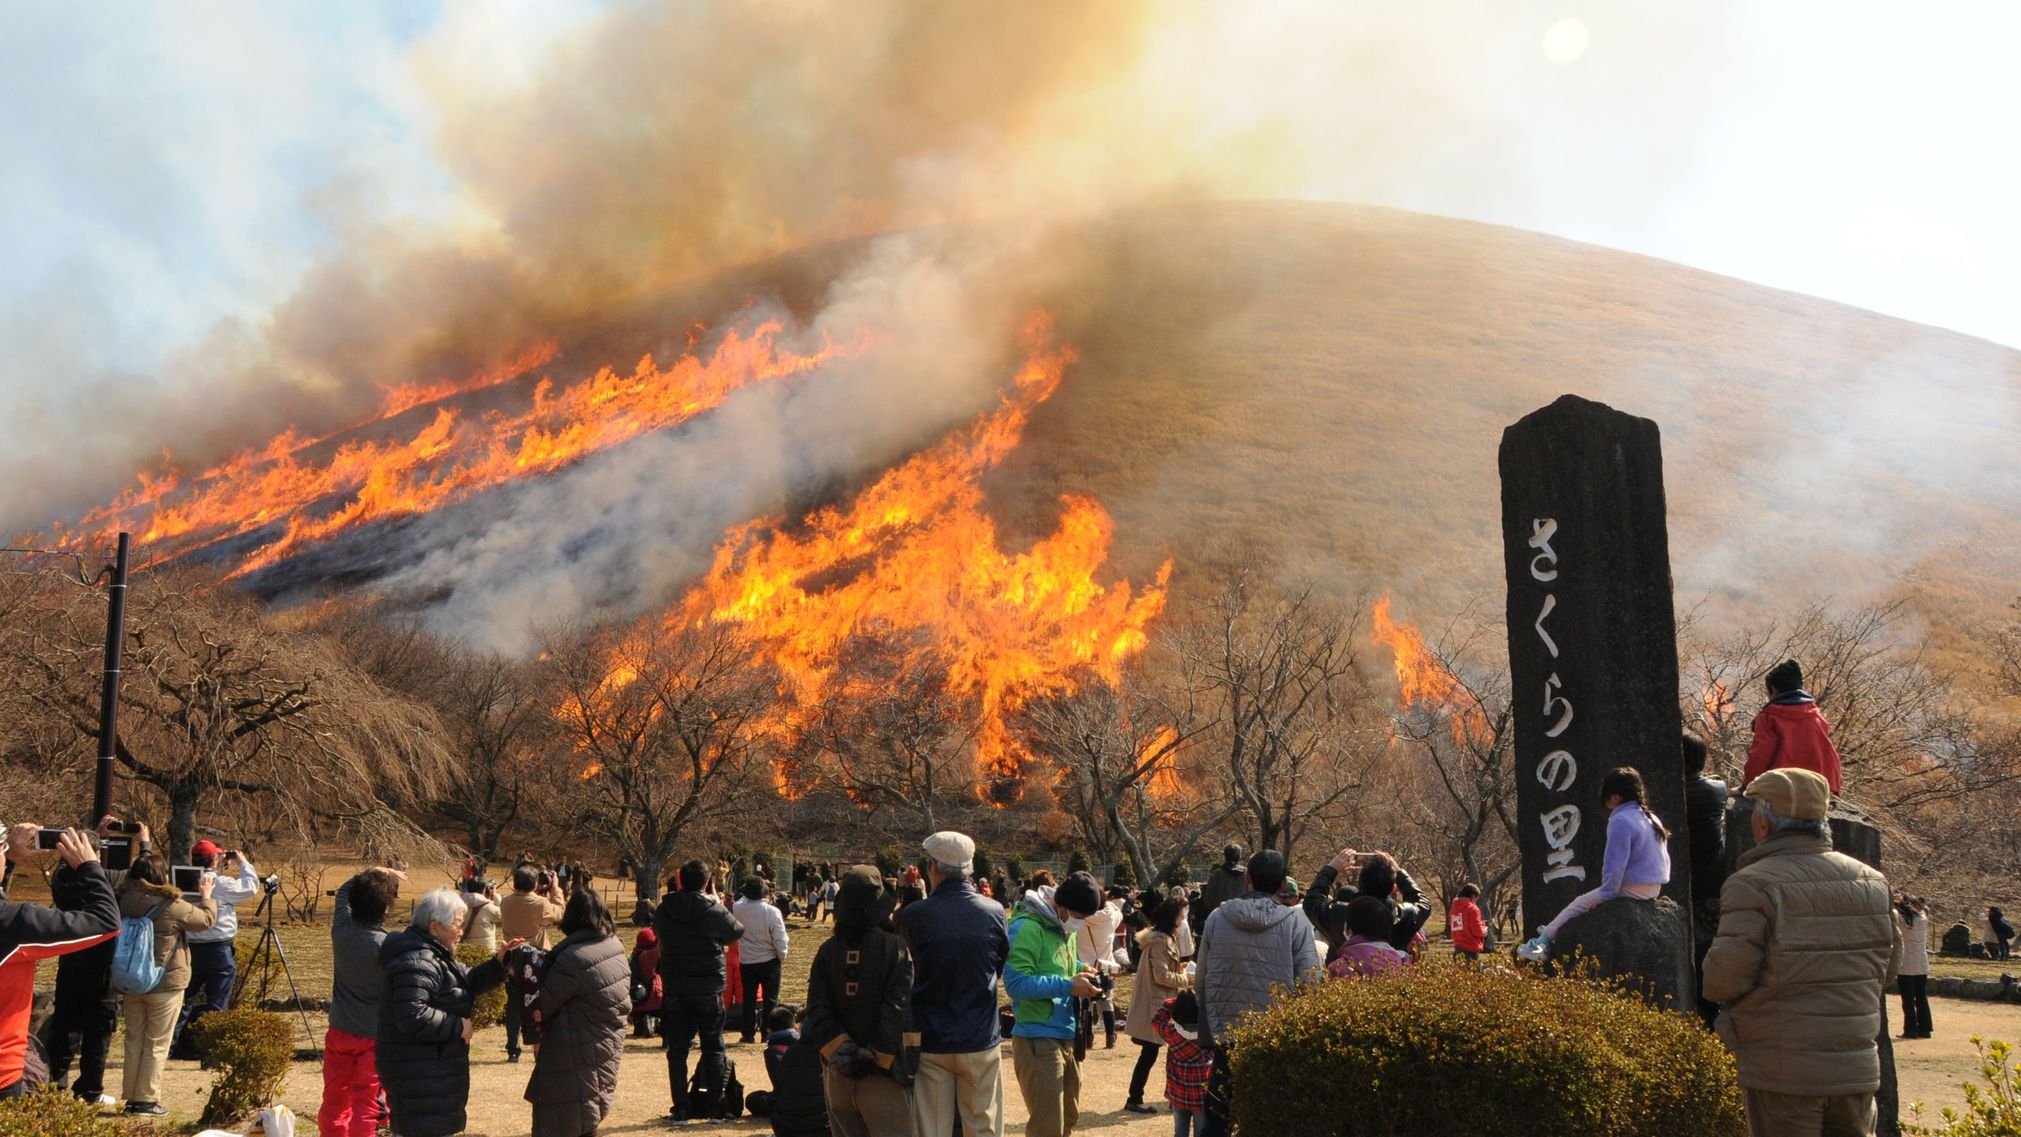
[
  {"x": 1078, "y": 894},
  {"x": 1786, "y": 676},
  {"x": 1801, "y": 794},
  {"x": 953, "y": 849}
]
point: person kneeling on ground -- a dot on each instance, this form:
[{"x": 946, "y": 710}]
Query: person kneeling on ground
[
  {"x": 1043, "y": 980},
  {"x": 796, "y": 1105},
  {"x": 859, "y": 1012}
]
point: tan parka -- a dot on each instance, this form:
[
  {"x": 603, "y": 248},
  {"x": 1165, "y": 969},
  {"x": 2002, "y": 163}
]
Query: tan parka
[{"x": 1806, "y": 942}]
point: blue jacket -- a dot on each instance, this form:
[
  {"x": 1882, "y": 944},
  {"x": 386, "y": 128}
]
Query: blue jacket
[
  {"x": 1040, "y": 976},
  {"x": 959, "y": 943}
]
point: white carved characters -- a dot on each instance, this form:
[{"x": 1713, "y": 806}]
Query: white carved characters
[{"x": 1558, "y": 769}]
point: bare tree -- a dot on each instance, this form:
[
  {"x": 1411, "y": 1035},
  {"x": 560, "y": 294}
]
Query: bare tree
[
  {"x": 891, "y": 733},
  {"x": 1295, "y": 721},
  {"x": 497, "y": 725},
  {"x": 663, "y": 727},
  {"x": 1120, "y": 747},
  {"x": 219, "y": 700},
  {"x": 1455, "y": 716}
]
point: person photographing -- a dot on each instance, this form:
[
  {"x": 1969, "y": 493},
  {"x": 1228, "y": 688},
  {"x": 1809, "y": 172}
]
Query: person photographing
[
  {"x": 213, "y": 961},
  {"x": 32, "y": 932}
]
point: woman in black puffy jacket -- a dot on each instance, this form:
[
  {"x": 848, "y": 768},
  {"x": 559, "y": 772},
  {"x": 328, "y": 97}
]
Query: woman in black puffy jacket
[
  {"x": 585, "y": 998},
  {"x": 423, "y": 1046}
]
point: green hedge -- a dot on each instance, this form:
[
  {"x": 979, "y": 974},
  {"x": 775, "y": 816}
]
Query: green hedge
[
  {"x": 50, "y": 1112},
  {"x": 489, "y": 1009},
  {"x": 1442, "y": 1048},
  {"x": 251, "y": 1051}
]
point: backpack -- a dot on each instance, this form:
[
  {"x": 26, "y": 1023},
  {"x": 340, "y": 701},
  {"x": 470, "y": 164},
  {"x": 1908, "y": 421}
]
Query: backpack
[
  {"x": 134, "y": 969},
  {"x": 702, "y": 1103}
]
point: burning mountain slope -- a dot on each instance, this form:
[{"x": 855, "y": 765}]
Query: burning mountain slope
[{"x": 1326, "y": 384}]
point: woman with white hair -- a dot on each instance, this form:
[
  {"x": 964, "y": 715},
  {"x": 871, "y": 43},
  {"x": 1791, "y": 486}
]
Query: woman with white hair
[{"x": 423, "y": 1044}]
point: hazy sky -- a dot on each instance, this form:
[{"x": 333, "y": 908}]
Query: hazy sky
[{"x": 170, "y": 173}]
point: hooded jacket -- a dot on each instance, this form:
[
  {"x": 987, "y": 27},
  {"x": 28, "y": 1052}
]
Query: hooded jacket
[
  {"x": 424, "y": 1064},
  {"x": 1251, "y": 945},
  {"x": 861, "y": 987},
  {"x": 1040, "y": 971},
  {"x": 86, "y": 916},
  {"x": 1807, "y": 939},
  {"x": 1791, "y": 733},
  {"x": 646, "y": 971},
  {"x": 585, "y": 1000},
  {"x": 693, "y": 928},
  {"x": 171, "y": 951}
]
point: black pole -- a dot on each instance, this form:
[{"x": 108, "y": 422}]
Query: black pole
[{"x": 108, "y": 708}]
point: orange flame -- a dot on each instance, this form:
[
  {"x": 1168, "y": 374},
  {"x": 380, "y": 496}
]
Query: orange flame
[
  {"x": 1717, "y": 699},
  {"x": 450, "y": 458},
  {"x": 1423, "y": 680},
  {"x": 915, "y": 552},
  {"x": 1164, "y": 781},
  {"x": 591, "y": 771}
]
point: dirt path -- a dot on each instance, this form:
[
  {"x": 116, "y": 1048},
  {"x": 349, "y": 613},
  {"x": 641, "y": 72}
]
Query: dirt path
[{"x": 1931, "y": 1071}]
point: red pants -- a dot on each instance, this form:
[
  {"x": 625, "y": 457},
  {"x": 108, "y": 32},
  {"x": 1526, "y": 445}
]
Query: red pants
[{"x": 350, "y": 1087}]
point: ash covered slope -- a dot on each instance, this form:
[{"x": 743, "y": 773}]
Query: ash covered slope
[{"x": 1331, "y": 382}]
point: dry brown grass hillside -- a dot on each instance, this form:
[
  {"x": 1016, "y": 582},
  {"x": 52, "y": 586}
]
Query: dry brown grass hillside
[{"x": 1328, "y": 384}]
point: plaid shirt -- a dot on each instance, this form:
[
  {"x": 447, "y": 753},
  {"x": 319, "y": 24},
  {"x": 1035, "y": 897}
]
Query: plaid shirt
[{"x": 1188, "y": 1062}]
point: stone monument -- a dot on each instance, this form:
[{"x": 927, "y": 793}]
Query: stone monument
[{"x": 1593, "y": 660}]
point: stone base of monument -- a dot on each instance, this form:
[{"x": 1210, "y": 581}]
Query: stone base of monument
[
  {"x": 1853, "y": 836},
  {"x": 1646, "y": 942}
]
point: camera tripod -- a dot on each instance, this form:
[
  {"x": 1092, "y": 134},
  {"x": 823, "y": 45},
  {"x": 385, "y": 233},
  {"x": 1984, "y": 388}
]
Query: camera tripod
[{"x": 267, "y": 951}]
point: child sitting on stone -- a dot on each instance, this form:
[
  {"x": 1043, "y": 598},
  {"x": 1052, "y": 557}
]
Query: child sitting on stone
[
  {"x": 1790, "y": 732},
  {"x": 1636, "y": 864},
  {"x": 1367, "y": 950}
]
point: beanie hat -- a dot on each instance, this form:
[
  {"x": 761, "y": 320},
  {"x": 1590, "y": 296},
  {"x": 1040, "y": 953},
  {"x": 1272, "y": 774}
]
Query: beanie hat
[
  {"x": 1791, "y": 792},
  {"x": 1786, "y": 676},
  {"x": 1078, "y": 893}
]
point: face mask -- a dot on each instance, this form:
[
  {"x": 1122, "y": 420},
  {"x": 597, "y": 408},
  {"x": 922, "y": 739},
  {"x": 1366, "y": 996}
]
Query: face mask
[{"x": 1074, "y": 925}]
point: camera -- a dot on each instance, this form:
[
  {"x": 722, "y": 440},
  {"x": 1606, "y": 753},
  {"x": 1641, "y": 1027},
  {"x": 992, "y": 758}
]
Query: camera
[
  {"x": 272, "y": 883},
  {"x": 1106, "y": 982},
  {"x": 46, "y": 838},
  {"x": 116, "y": 853},
  {"x": 187, "y": 877},
  {"x": 118, "y": 826}
]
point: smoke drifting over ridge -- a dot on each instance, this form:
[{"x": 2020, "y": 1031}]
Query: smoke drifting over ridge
[{"x": 595, "y": 161}]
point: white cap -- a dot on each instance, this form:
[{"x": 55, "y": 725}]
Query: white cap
[{"x": 953, "y": 849}]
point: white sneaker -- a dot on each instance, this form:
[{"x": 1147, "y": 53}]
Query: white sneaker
[
  {"x": 105, "y": 1099},
  {"x": 1537, "y": 949}
]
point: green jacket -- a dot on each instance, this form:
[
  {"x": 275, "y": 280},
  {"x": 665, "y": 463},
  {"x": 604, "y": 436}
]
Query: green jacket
[{"x": 1040, "y": 972}]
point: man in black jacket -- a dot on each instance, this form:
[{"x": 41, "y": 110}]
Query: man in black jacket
[
  {"x": 693, "y": 928},
  {"x": 1229, "y": 880},
  {"x": 1379, "y": 876},
  {"x": 30, "y": 932}
]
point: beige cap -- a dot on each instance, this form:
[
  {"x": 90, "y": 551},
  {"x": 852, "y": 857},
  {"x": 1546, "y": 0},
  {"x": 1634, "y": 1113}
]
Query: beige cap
[
  {"x": 950, "y": 848},
  {"x": 1801, "y": 794}
]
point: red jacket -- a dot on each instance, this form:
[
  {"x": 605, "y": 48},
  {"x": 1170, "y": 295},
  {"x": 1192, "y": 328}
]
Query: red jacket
[
  {"x": 1793, "y": 735},
  {"x": 1464, "y": 921},
  {"x": 29, "y": 932}
]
